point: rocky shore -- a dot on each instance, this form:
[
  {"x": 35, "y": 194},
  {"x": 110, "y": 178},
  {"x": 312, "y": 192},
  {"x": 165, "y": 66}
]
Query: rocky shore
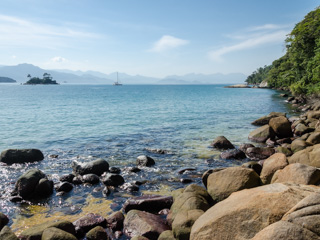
[{"x": 274, "y": 194}]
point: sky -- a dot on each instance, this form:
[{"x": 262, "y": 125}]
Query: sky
[{"x": 148, "y": 37}]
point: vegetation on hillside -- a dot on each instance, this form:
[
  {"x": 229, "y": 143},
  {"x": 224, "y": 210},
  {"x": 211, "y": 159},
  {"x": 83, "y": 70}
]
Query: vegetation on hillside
[
  {"x": 7, "y": 80},
  {"x": 47, "y": 79},
  {"x": 299, "y": 69}
]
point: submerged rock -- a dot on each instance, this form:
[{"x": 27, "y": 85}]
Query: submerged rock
[
  {"x": 222, "y": 142},
  {"x": 12, "y": 156},
  {"x": 97, "y": 167},
  {"x": 145, "y": 161}
]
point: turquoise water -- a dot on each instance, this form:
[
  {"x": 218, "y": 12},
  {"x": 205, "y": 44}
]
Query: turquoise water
[{"x": 83, "y": 122}]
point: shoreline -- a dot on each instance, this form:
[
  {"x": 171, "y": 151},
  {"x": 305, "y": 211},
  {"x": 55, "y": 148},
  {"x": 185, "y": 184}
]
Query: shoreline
[{"x": 169, "y": 221}]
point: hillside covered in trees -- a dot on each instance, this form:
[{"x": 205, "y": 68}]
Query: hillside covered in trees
[{"x": 299, "y": 69}]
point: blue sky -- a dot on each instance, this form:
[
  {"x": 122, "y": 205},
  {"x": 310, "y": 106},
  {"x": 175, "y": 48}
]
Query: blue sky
[{"x": 148, "y": 37}]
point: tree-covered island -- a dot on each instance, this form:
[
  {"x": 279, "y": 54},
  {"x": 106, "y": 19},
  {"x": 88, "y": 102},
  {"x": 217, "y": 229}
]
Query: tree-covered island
[
  {"x": 46, "y": 80},
  {"x": 7, "y": 80}
]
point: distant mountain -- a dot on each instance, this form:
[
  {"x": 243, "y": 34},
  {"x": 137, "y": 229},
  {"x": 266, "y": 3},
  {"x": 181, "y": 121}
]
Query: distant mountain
[
  {"x": 7, "y": 80},
  {"x": 20, "y": 72}
]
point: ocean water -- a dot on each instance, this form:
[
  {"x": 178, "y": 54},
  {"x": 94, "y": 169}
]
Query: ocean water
[{"x": 118, "y": 123}]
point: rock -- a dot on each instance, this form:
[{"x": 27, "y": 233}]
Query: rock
[
  {"x": 264, "y": 84},
  {"x": 253, "y": 165},
  {"x": 233, "y": 154},
  {"x": 115, "y": 221},
  {"x": 145, "y": 161},
  {"x": 192, "y": 197},
  {"x": 115, "y": 170},
  {"x": 271, "y": 165},
  {"x": 97, "y": 233},
  {"x": 261, "y": 134},
  {"x": 77, "y": 180},
  {"x": 27, "y": 185},
  {"x": 130, "y": 187},
  {"x": 166, "y": 235},
  {"x": 259, "y": 153},
  {"x": 309, "y": 156},
  {"x": 301, "y": 129},
  {"x": 298, "y": 145},
  {"x": 157, "y": 150},
  {"x": 284, "y": 140},
  {"x": 186, "y": 180},
  {"x": 222, "y": 142},
  {"x": 206, "y": 174},
  {"x": 247, "y": 212},
  {"x": 35, "y": 232},
  {"x": 238, "y": 86},
  {"x": 281, "y": 126},
  {"x": 139, "y": 223},
  {"x": 111, "y": 179},
  {"x": 283, "y": 95},
  {"x": 139, "y": 238},
  {"x": 64, "y": 187},
  {"x": 313, "y": 114},
  {"x": 53, "y": 156},
  {"x": 7, "y": 234},
  {"x": 54, "y": 233},
  {"x": 185, "y": 169},
  {"x": 87, "y": 222},
  {"x": 148, "y": 203},
  {"x": 314, "y": 138},
  {"x": 97, "y": 167},
  {"x": 245, "y": 146},
  {"x": 265, "y": 119},
  {"x": 285, "y": 230},
  {"x": 297, "y": 173},
  {"x": 284, "y": 150},
  {"x": 12, "y": 156},
  {"x": 222, "y": 183},
  {"x": 181, "y": 226},
  {"x": 3, "y": 220},
  {"x": 91, "y": 178},
  {"x": 67, "y": 178},
  {"x": 133, "y": 169},
  {"x": 270, "y": 143}
]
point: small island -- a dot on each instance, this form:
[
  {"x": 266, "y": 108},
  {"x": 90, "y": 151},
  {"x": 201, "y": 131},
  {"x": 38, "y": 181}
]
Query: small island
[
  {"x": 46, "y": 80},
  {"x": 7, "y": 80}
]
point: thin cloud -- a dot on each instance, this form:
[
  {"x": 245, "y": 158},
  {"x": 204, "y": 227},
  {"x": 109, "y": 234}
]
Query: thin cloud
[
  {"x": 167, "y": 42},
  {"x": 58, "y": 59},
  {"x": 252, "y": 38}
]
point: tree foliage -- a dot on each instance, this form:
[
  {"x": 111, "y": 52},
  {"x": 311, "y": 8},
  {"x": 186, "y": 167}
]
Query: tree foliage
[
  {"x": 299, "y": 68},
  {"x": 47, "y": 79}
]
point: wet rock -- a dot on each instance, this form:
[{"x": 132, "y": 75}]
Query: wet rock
[
  {"x": 130, "y": 187},
  {"x": 77, "y": 180},
  {"x": 157, "y": 150},
  {"x": 31, "y": 183},
  {"x": 115, "y": 170},
  {"x": 247, "y": 212},
  {"x": 183, "y": 170},
  {"x": 283, "y": 95},
  {"x": 309, "y": 156},
  {"x": 259, "y": 153},
  {"x": 167, "y": 235},
  {"x": 233, "y": 154},
  {"x": 298, "y": 145},
  {"x": 15, "y": 199},
  {"x": 297, "y": 173},
  {"x": 53, "y": 156},
  {"x": 185, "y": 180},
  {"x": 97, "y": 167},
  {"x": 148, "y": 203},
  {"x": 87, "y": 222},
  {"x": 111, "y": 179},
  {"x": 97, "y": 233},
  {"x": 253, "y": 165},
  {"x": 245, "y": 146},
  {"x": 67, "y": 178},
  {"x": 91, "y": 178},
  {"x": 139, "y": 223},
  {"x": 145, "y": 161},
  {"x": 115, "y": 221},
  {"x": 64, "y": 187},
  {"x": 181, "y": 226},
  {"x": 222, "y": 142},
  {"x": 261, "y": 134},
  {"x": 7, "y": 234},
  {"x": 271, "y": 165},
  {"x": 3, "y": 220},
  {"x": 35, "y": 232},
  {"x": 222, "y": 183},
  {"x": 133, "y": 169},
  {"x": 270, "y": 143},
  {"x": 265, "y": 119},
  {"x": 12, "y": 156},
  {"x": 54, "y": 233},
  {"x": 281, "y": 126}
]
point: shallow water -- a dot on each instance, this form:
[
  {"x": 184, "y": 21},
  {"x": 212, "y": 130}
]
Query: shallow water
[{"x": 85, "y": 122}]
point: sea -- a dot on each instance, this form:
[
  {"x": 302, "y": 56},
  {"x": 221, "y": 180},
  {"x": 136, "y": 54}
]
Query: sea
[{"x": 80, "y": 123}]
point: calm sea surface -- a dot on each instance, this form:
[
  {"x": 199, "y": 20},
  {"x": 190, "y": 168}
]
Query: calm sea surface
[{"x": 117, "y": 123}]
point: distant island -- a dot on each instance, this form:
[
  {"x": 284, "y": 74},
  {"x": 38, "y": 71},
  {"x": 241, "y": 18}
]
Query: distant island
[
  {"x": 7, "y": 80},
  {"x": 46, "y": 80}
]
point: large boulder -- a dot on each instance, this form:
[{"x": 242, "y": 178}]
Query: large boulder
[
  {"x": 281, "y": 126},
  {"x": 148, "y": 203},
  {"x": 247, "y": 212},
  {"x": 271, "y": 165},
  {"x": 97, "y": 167},
  {"x": 233, "y": 154},
  {"x": 12, "y": 156},
  {"x": 181, "y": 226},
  {"x": 265, "y": 119},
  {"x": 140, "y": 223},
  {"x": 299, "y": 144},
  {"x": 297, "y": 173},
  {"x": 7, "y": 234},
  {"x": 259, "y": 153},
  {"x": 97, "y": 233},
  {"x": 261, "y": 134},
  {"x": 54, "y": 233},
  {"x": 35, "y": 232},
  {"x": 309, "y": 156},
  {"x": 222, "y": 142},
  {"x": 33, "y": 184},
  {"x": 222, "y": 183}
]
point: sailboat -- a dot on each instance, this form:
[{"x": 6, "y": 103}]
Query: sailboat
[{"x": 117, "y": 83}]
